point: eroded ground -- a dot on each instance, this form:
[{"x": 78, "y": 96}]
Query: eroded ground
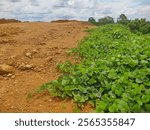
[{"x": 29, "y": 53}]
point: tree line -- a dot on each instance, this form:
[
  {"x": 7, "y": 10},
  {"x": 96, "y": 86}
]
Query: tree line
[{"x": 137, "y": 25}]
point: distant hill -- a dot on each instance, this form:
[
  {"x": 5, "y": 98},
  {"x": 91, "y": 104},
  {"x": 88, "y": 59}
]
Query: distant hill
[
  {"x": 3, "y": 20},
  {"x": 68, "y": 21},
  {"x": 63, "y": 21}
]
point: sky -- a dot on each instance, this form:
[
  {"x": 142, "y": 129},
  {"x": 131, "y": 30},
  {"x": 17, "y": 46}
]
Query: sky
[{"x": 48, "y": 10}]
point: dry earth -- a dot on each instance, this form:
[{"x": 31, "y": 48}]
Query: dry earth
[{"x": 29, "y": 53}]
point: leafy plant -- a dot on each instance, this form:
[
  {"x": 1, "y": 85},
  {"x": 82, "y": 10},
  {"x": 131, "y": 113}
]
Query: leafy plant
[{"x": 113, "y": 73}]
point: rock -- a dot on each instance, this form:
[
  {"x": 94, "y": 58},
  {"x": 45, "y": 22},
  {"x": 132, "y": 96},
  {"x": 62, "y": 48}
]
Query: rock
[
  {"x": 13, "y": 76},
  {"x": 12, "y": 107},
  {"x": 15, "y": 82},
  {"x": 50, "y": 100},
  {"x": 6, "y": 69},
  {"x": 49, "y": 59},
  {"x": 28, "y": 66},
  {"x": 9, "y": 75},
  {"x": 35, "y": 51},
  {"x": 24, "y": 67},
  {"x": 28, "y": 54}
]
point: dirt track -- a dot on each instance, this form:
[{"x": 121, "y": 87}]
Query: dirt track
[{"x": 29, "y": 53}]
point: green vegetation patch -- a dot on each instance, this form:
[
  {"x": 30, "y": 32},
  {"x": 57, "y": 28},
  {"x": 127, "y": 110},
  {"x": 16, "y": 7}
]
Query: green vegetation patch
[{"x": 114, "y": 72}]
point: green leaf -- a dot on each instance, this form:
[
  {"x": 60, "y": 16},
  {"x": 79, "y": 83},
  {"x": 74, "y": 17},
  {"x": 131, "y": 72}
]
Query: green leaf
[
  {"x": 138, "y": 80},
  {"x": 112, "y": 74},
  {"x": 64, "y": 82},
  {"x": 101, "y": 106},
  {"x": 138, "y": 100},
  {"x": 113, "y": 108},
  {"x": 119, "y": 90},
  {"x": 79, "y": 98},
  {"x": 122, "y": 105},
  {"x": 145, "y": 98},
  {"x": 144, "y": 62},
  {"x": 92, "y": 81},
  {"x": 136, "y": 108},
  {"x": 147, "y": 107}
]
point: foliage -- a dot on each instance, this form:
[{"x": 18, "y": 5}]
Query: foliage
[
  {"x": 139, "y": 25},
  {"x": 122, "y": 19},
  {"x": 136, "y": 25},
  {"x": 114, "y": 72},
  {"x": 105, "y": 20},
  {"x": 91, "y": 20},
  {"x": 102, "y": 21}
]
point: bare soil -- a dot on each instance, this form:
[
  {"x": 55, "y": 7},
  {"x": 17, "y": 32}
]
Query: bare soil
[{"x": 29, "y": 53}]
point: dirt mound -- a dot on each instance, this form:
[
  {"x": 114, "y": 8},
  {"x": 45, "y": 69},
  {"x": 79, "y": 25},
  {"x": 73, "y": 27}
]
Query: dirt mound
[
  {"x": 64, "y": 21},
  {"x": 2, "y": 21},
  {"x": 67, "y": 21},
  {"x": 33, "y": 50}
]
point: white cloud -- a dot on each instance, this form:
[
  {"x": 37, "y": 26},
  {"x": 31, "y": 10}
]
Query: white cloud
[{"x": 47, "y": 10}]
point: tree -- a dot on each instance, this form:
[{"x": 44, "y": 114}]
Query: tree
[
  {"x": 139, "y": 25},
  {"x": 122, "y": 19},
  {"x": 92, "y": 20},
  {"x": 146, "y": 29},
  {"x": 106, "y": 20}
]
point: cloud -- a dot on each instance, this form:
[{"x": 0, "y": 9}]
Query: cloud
[
  {"x": 46, "y": 10},
  {"x": 15, "y": 0},
  {"x": 143, "y": 2}
]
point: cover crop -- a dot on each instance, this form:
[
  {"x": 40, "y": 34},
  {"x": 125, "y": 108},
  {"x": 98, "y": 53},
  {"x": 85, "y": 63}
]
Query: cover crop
[{"x": 113, "y": 74}]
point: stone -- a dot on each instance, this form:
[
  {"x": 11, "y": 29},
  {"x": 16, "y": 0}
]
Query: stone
[
  {"x": 35, "y": 51},
  {"x": 28, "y": 54},
  {"x": 9, "y": 75},
  {"x": 6, "y": 69},
  {"x": 29, "y": 66},
  {"x": 49, "y": 59},
  {"x": 13, "y": 76},
  {"x": 24, "y": 66}
]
